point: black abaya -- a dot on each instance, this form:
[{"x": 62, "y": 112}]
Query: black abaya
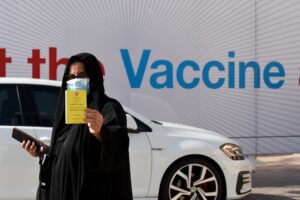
[{"x": 82, "y": 167}]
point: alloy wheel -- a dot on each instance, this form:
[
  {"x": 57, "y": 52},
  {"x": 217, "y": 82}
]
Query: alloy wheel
[{"x": 193, "y": 182}]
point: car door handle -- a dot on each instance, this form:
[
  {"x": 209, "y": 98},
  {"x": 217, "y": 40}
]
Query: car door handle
[{"x": 44, "y": 139}]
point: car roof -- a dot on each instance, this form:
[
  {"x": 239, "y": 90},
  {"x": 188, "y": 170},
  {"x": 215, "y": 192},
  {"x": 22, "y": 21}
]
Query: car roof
[
  {"x": 35, "y": 81},
  {"x": 32, "y": 81}
]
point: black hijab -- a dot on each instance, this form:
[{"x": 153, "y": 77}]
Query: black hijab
[{"x": 95, "y": 98}]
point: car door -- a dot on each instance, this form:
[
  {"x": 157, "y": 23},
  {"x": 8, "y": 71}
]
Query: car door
[
  {"x": 18, "y": 170},
  {"x": 42, "y": 103},
  {"x": 140, "y": 156},
  {"x": 39, "y": 105},
  {"x": 43, "y": 106}
]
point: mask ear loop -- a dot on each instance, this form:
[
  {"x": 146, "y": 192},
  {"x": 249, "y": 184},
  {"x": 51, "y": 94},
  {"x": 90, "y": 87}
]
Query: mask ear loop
[{"x": 88, "y": 86}]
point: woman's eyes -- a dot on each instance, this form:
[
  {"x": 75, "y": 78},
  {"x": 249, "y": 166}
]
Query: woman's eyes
[{"x": 80, "y": 75}]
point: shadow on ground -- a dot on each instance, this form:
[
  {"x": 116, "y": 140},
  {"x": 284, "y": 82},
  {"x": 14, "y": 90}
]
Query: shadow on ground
[
  {"x": 276, "y": 178},
  {"x": 268, "y": 197}
]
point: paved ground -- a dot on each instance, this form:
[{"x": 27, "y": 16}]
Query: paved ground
[{"x": 276, "y": 178}]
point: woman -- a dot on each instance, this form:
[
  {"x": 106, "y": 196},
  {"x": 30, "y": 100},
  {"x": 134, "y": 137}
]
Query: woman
[{"x": 87, "y": 161}]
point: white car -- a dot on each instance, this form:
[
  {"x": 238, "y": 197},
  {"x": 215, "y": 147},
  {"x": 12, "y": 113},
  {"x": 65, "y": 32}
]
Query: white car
[{"x": 168, "y": 161}]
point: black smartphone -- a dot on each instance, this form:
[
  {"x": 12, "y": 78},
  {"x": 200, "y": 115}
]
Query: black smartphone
[{"x": 21, "y": 136}]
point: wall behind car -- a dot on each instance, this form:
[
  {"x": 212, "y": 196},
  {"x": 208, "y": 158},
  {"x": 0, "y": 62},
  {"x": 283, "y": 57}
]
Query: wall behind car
[{"x": 156, "y": 56}]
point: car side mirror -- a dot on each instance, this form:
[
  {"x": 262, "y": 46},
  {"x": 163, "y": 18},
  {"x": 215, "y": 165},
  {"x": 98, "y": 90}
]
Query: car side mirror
[{"x": 131, "y": 124}]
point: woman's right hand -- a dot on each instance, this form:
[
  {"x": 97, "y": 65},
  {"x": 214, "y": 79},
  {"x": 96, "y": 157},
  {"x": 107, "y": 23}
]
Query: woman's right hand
[{"x": 31, "y": 148}]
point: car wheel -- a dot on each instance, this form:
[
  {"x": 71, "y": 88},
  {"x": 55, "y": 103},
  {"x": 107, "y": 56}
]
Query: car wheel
[{"x": 193, "y": 179}]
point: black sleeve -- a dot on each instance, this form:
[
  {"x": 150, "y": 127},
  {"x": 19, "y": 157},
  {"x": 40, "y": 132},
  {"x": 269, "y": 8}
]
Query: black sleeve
[{"x": 110, "y": 153}]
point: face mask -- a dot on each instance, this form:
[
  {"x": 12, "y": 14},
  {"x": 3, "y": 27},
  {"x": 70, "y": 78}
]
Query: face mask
[{"x": 78, "y": 84}]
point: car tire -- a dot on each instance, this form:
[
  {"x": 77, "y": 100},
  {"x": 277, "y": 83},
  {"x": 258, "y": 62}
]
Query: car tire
[{"x": 192, "y": 178}]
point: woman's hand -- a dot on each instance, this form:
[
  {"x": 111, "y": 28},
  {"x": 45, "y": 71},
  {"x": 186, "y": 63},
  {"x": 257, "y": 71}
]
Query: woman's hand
[
  {"x": 94, "y": 121},
  {"x": 31, "y": 148}
]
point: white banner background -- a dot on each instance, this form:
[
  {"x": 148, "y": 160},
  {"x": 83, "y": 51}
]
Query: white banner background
[{"x": 262, "y": 120}]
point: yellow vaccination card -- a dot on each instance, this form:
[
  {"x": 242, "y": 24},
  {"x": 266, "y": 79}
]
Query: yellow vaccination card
[{"x": 75, "y": 104}]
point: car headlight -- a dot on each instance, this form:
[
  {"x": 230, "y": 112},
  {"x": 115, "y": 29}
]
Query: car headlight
[{"x": 232, "y": 151}]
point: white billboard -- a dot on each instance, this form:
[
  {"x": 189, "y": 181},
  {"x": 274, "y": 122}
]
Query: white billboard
[{"x": 230, "y": 66}]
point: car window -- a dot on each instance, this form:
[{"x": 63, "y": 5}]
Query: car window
[
  {"x": 39, "y": 104},
  {"x": 141, "y": 127},
  {"x": 10, "y": 112}
]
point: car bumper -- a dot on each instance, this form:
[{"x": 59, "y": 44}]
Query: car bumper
[{"x": 238, "y": 177}]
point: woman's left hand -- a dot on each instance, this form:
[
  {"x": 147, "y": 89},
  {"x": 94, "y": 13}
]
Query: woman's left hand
[{"x": 94, "y": 121}]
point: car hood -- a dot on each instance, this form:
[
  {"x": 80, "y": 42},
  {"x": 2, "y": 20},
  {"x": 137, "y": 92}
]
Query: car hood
[{"x": 185, "y": 131}]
